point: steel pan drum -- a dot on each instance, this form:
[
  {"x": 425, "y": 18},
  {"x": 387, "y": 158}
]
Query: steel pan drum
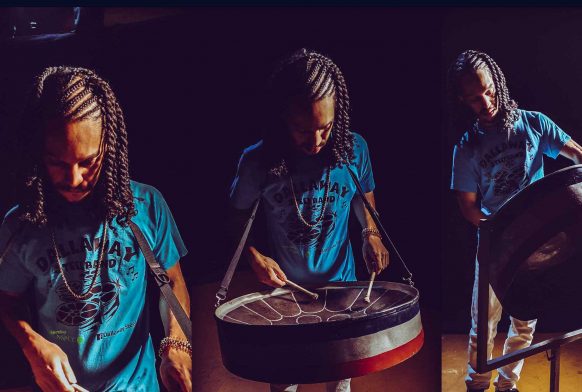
[
  {"x": 536, "y": 248},
  {"x": 284, "y": 336}
]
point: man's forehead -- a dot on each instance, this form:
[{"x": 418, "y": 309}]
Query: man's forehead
[
  {"x": 77, "y": 138},
  {"x": 322, "y": 109},
  {"x": 475, "y": 81}
]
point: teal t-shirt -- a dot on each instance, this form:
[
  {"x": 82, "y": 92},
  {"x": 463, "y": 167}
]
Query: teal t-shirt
[
  {"x": 322, "y": 253},
  {"x": 498, "y": 167},
  {"x": 105, "y": 336}
]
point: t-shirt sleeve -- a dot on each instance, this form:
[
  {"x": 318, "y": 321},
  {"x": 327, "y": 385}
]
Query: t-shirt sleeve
[
  {"x": 364, "y": 168},
  {"x": 246, "y": 186},
  {"x": 169, "y": 246},
  {"x": 465, "y": 174},
  {"x": 553, "y": 137},
  {"x": 14, "y": 276}
]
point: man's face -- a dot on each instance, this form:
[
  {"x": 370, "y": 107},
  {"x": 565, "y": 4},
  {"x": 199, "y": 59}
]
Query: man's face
[
  {"x": 478, "y": 93},
  {"x": 310, "y": 123},
  {"x": 73, "y": 156}
]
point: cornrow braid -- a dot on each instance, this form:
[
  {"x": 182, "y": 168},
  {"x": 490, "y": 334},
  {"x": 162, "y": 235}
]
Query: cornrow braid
[
  {"x": 471, "y": 61},
  {"x": 75, "y": 94},
  {"x": 313, "y": 76}
]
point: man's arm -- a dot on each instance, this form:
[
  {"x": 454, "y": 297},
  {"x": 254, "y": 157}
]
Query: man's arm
[
  {"x": 49, "y": 364},
  {"x": 375, "y": 254},
  {"x": 176, "y": 366},
  {"x": 572, "y": 151},
  {"x": 470, "y": 207},
  {"x": 266, "y": 269}
]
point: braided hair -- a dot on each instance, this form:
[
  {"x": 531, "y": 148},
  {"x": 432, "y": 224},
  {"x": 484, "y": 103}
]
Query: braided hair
[
  {"x": 75, "y": 94},
  {"x": 472, "y": 61},
  {"x": 311, "y": 76}
]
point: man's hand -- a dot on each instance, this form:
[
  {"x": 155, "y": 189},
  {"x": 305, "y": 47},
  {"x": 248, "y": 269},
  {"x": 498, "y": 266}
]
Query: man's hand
[
  {"x": 176, "y": 371},
  {"x": 50, "y": 366},
  {"x": 375, "y": 254},
  {"x": 267, "y": 269},
  {"x": 469, "y": 205}
]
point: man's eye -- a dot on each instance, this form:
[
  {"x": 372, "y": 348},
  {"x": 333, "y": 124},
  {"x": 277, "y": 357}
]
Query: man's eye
[
  {"x": 57, "y": 163},
  {"x": 87, "y": 163}
]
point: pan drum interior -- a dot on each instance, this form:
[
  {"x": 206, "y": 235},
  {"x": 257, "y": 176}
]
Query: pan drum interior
[
  {"x": 536, "y": 248},
  {"x": 284, "y": 336}
]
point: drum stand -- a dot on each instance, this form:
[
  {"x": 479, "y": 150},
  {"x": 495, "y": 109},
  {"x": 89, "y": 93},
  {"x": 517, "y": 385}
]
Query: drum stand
[{"x": 552, "y": 345}]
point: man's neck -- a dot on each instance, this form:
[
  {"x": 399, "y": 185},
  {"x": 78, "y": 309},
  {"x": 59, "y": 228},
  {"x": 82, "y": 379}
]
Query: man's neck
[{"x": 490, "y": 125}]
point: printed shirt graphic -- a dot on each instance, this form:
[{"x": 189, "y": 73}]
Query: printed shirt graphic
[
  {"x": 497, "y": 167},
  {"x": 105, "y": 336},
  {"x": 316, "y": 254}
]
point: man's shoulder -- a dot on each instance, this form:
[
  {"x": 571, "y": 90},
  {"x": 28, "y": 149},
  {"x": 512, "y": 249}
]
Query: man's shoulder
[
  {"x": 12, "y": 217},
  {"x": 360, "y": 143},
  {"x": 145, "y": 193},
  {"x": 253, "y": 158},
  {"x": 468, "y": 140},
  {"x": 533, "y": 121},
  {"x": 11, "y": 222},
  {"x": 254, "y": 152},
  {"x": 358, "y": 138},
  {"x": 531, "y": 116}
]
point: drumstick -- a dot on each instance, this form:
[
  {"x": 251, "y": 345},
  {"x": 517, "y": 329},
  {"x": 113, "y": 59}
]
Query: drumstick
[
  {"x": 297, "y": 287},
  {"x": 367, "y": 297}
]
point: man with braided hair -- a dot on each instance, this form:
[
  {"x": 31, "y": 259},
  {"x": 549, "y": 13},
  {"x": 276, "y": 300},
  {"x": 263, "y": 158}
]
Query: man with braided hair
[
  {"x": 500, "y": 153},
  {"x": 69, "y": 239},
  {"x": 299, "y": 170}
]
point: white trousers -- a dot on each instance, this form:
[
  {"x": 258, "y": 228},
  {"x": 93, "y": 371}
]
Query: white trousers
[
  {"x": 519, "y": 336},
  {"x": 334, "y": 386}
]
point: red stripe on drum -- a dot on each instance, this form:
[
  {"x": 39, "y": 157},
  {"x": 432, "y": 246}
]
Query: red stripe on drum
[{"x": 377, "y": 363}]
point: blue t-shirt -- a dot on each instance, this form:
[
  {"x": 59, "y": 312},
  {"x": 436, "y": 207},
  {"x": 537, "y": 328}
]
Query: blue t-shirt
[
  {"x": 106, "y": 336},
  {"x": 322, "y": 253},
  {"x": 497, "y": 167}
]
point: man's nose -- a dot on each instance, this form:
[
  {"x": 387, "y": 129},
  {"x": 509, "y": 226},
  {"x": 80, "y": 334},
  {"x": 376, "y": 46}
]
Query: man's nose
[
  {"x": 317, "y": 138},
  {"x": 74, "y": 176},
  {"x": 487, "y": 102}
]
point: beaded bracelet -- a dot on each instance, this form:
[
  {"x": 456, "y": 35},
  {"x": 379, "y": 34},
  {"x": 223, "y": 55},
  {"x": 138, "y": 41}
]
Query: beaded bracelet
[
  {"x": 168, "y": 342},
  {"x": 368, "y": 231}
]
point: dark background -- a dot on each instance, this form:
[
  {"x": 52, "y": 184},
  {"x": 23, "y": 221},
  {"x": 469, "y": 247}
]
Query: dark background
[
  {"x": 190, "y": 84},
  {"x": 540, "y": 52}
]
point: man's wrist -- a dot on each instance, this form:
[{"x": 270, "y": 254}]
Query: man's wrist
[
  {"x": 368, "y": 232},
  {"x": 168, "y": 343}
]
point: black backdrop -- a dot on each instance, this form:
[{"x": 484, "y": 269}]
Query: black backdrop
[
  {"x": 189, "y": 85},
  {"x": 540, "y": 52}
]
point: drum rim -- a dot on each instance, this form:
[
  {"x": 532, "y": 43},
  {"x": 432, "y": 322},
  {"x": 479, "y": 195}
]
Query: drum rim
[
  {"x": 225, "y": 308},
  {"x": 508, "y": 206}
]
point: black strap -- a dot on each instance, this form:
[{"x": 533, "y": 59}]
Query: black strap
[
  {"x": 221, "y": 294},
  {"x": 376, "y": 219},
  {"x": 163, "y": 280}
]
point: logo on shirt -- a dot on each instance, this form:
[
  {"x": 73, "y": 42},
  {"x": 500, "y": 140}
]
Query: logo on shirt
[
  {"x": 504, "y": 167},
  {"x": 92, "y": 311}
]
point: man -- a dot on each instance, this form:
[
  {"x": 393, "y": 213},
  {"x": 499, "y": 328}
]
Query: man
[
  {"x": 69, "y": 239},
  {"x": 299, "y": 172},
  {"x": 499, "y": 155}
]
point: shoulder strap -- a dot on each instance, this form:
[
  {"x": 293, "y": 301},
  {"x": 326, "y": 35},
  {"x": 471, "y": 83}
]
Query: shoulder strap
[
  {"x": 376, "y": 217},
  {"x": 221, "y": 294},
  {"x": 163, "y": 280}
]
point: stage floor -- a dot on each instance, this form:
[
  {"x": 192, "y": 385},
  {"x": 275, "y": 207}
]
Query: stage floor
[
  {"x": 535, "y": 376},
  {"x": 418, "y": 374}
]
